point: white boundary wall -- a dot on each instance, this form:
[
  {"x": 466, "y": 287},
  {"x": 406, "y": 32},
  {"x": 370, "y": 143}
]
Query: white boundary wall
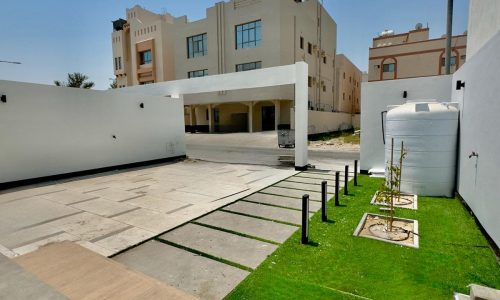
[
  {"x": 376, "y": 96},
  {"x": 47, "y": 130},
  {"x": 484, "y": 23},
  {"x": 478, "y": 178},
  {"x": 323, "y": 121}
]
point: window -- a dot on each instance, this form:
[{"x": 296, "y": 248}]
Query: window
[
  {"x": 389, "y": 67},
  {"x": 197, "y": 45},
  {"x": 145, "y": 57},
  {"x": 309, "y": 48},
  {"x": 343, "y": 96},
  {"x": 324, "y": 60},
  {"x": 324, "y": 88},
  {"x": 116, "y": 63},
  {"x": 198, "y": 73},
  {"x": 309, "y": 81},
  {"x": 302, "y": 43},
  {"x": 453, "y": 61},
  {"x": 206, "y": 114},
  {"x": 249, "y": 66},
  {"x": 462, "y": 58},
  {"x": 344, "y": 75},
  {"x": 119, "y": 63},
  {"x": 248, "y": 35}
]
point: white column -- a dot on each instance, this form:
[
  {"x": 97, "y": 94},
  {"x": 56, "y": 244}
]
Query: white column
[
  {"x": 191, "y": 115},
  {"x": 277, "y": 109},
  {"x": 250, "y": 117},
  {"x": 301, "y": 115},
  {"x": 210, "y": 119}
]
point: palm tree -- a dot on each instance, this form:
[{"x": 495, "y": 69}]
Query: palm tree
[
  {"x": 113, "y": 85},
  {"x": 76, "y": 80}
]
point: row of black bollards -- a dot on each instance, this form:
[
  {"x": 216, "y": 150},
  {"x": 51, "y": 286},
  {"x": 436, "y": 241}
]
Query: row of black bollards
[{"x": 324, "y": 198}]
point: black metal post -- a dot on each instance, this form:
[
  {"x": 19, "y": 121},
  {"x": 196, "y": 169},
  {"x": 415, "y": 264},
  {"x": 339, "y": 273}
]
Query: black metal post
[
  {"x": 305, "y": 219},
  {"x": 324, "y": 212},
  {"x": 356, "y": 172},
  {"x": 337, "y": 183},
  {"x": 346, "y": 180}
]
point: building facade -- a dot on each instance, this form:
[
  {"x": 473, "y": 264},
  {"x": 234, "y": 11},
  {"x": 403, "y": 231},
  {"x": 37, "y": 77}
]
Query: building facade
[
  {"x": 235, "y": 36},
  {"x": 348, "y": 80},
  {"x": 412, "y": 54}
]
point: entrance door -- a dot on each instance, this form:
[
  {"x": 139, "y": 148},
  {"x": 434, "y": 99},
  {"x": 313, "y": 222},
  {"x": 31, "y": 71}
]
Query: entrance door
[{"x": 268, "y": 118}]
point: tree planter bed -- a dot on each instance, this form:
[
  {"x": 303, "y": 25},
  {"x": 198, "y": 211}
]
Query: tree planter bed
[
  {"x": 408, "y": 201},
  {"x": 404, "y": 233}
]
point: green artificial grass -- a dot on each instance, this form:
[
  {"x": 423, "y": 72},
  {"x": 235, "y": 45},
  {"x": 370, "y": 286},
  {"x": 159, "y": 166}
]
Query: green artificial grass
[{"x": 453, "y": 253}]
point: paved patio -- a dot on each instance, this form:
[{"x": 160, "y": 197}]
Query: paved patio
[
  {"x": 211, "y": 255},
  {"x": 113, "y": 211}
]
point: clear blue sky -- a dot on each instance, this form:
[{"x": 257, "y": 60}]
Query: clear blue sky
[{"x": 54, "y": 37}]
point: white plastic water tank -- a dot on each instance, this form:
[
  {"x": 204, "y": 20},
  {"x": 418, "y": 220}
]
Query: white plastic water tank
[{"x": 429, "y": 130}]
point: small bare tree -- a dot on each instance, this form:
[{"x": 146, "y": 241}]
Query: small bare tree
[{"x": 391, "y": 188}]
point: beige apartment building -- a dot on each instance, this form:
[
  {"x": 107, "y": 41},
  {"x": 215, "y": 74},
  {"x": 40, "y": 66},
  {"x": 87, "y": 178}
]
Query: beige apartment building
[
  {"x": 412, "y": 54},
  {"x": 348, "y": 80},
  {"x": 235, "y": 36}
]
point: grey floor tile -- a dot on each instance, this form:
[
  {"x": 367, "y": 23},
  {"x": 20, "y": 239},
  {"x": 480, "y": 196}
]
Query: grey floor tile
[
  {"x": 238, "y": 249},
  {"x": 282, "y": 201},
  {"x": 268, "y": 230},
  {"x": 194, "y": 274}
]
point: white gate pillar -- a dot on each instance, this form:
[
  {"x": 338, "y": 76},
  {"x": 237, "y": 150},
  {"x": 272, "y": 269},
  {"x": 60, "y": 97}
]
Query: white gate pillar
[{"x": 301, "y": 116}]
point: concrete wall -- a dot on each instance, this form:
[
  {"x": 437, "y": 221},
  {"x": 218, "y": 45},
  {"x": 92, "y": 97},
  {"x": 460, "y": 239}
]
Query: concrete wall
[
  {"x": 356, "y": 121},
  {"x": 376, "y": 96},
  {"x": 322, "y": 121},
  {"x": 47, "y": 130},
  {"x": 484, "y": 23},
  {"x": 479, "y": 123}
]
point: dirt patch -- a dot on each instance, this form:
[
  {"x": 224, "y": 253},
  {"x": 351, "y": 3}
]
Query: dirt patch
[{"x": 405, "y": 231}]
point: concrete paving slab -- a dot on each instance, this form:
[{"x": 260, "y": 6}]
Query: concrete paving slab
[
  {"x": 329, "y": 176},
  {"x": 266, "y": 211},
  {"x": 87, "y": 226},
  {"x": 274, "y": 190},
  {"x": 296, "y": 203},
  {"x": 30, "y": 235},
  {"x": 94, "y": 247},
  {"x": 125, "y": 239},
  {"x": 28, "y": 212},
  {"x": 148, "y": 220},
  {"x": 238, "y": 249},
  {"x": 68, "y": 197},
  {"x": 299, "y": 186},
  {"x": 187, "y": 197},
  {"x": 60, "y": 265},
  {"x": 103, "y": 207},
  {"x": 268, "y": 230},
  {"x": 331, "y": 183},
  {"x": 194, "y": 274},
  {"x": 17, "y": 283},
  {"x": 34, "y": 246},
  {"x": 156, "y": 204},
  {"x": 218, "y": 190},
  {"x": 114, "y": 194},
  {"x": 22, "y": 193}
]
